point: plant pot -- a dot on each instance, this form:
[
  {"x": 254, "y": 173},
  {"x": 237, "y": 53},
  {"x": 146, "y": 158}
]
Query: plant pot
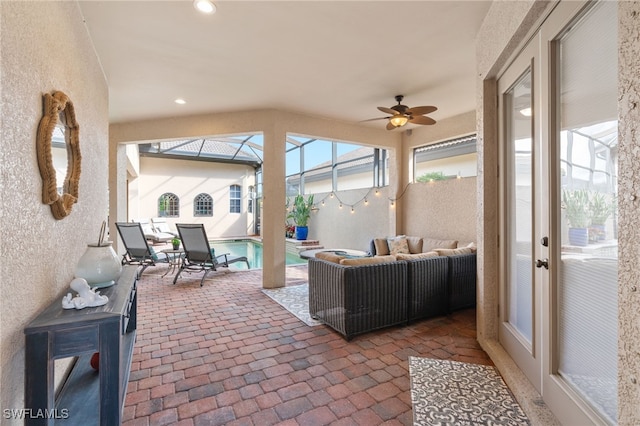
[
  {"x": 579, "y": 236},
  {"x": 302, "y": 232},
  {"x": 176, "y": 246},
  {"x": 599, "y": 232}
]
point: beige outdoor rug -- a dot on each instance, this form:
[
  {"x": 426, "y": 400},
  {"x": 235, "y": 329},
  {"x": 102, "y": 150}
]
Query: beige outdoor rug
[{"x": 294, "y": 299}]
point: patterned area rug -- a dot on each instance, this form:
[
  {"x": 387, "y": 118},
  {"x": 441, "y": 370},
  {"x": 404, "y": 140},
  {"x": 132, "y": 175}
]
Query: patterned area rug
[
  {"x": 294, "y": 299},
  {"x": 457, "y": 393}
]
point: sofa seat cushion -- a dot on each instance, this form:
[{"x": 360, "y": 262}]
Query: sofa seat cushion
[
  {"x": 359, "y": 261},
  {"x": 429, "y": 244},
  {"x": 416, "y": 256}
]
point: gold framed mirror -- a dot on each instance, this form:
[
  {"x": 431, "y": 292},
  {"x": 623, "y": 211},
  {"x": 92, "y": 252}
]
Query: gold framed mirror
[{"x": 59, "y": 130}]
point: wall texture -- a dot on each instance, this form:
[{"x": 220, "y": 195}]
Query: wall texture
[
  {"x": 44, "y": 48},
  {"x": 629, "y": 199},
  {"x": 443, "y": 209}
]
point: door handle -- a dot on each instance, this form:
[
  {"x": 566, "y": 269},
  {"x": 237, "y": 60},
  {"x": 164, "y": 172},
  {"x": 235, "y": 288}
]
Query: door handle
[{"x": 542, "y": 262}]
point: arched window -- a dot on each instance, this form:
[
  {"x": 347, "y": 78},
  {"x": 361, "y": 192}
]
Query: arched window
[
  {"x": 235, "y": 197},
  {"x": 168, "y": 205},
  {"x": 202, "y": 205}
]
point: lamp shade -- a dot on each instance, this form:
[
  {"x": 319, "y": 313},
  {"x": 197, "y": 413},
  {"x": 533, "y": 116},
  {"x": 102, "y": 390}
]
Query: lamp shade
[{"x": 399, "y": 120}]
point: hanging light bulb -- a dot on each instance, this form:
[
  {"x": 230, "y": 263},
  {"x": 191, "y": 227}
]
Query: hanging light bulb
[
  {"x": 366, "y": 202},
  {"x": 352, "y": 210}
]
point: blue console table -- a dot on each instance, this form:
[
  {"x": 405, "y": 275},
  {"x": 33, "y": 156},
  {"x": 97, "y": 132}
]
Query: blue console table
[{"x": 87, "y": 397}]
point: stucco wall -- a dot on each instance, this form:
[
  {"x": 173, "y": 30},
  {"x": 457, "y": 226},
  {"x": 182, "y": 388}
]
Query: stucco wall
[
  {"x": 629, "y": 200},
  {"x": 44, "y": 48},
  {"x": 443, "y": 209},
  {"x": 186, "y": 179}
]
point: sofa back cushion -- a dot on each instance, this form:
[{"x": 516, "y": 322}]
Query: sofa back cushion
[
  {"x": 359, "y": 261},
  {"x": 416, "y": 256},
  {"x": 415, "y": 244},
  {"x": 429, "y": 244},
  {"x": 454, "y": 252},
  {"x": 382, "y": 248}
]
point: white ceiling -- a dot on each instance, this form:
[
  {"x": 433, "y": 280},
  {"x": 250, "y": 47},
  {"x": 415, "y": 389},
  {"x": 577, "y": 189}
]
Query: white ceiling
[{"x": 335, "y": 59}]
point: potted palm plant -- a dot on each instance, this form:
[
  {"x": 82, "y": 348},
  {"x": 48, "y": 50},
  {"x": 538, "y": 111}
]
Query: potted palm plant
[
  {"x": 576, "y": 205},
  {"x": 300, "y": 214}
]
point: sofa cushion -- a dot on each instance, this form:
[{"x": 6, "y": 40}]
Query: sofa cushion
[
  {"x": 415, "y": 244},
  {"x": 329, "y": 256},
  {"x": 358, "y": 261},
  {"x": 382, "y": 248},
  {"x": 454, "y": 252},
  {"x": 416, "y": 256},
  {"x": 429, "y": 244},
  {"x": 398, "y": 245}
]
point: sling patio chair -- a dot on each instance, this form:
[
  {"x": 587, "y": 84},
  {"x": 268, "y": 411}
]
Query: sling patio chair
[
  {"x": 139, "y": 252},
  {"x": 198, "y": 254}
]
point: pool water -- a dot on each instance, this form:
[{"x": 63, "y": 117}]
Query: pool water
[{"x": 252, "y": 250}]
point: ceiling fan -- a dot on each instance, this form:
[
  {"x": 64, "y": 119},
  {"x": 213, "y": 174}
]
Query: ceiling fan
[{"x": 400, "y": 114}]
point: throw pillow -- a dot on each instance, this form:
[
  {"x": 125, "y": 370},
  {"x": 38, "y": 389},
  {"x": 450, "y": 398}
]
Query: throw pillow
[
  {"x": 359, "y": 261},
  {"x": 398, "y": 245},
  {"x": 415, "y": 244},
  {"x": 428, "y": 244},
  {"x": 382, "y": 248}
]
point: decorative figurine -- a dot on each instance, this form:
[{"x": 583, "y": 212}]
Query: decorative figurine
[{"x": 86, "y": 296}]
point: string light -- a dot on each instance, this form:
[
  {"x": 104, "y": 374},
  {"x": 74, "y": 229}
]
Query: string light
[
  {"x": 340, "y": 205},
  {"x": 352, "y": 210},
  {"x": 366, "y": 202}
]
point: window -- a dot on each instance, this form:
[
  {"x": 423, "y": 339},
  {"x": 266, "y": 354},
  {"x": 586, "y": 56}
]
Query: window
[
  {"x": 316, "y": 165},
  {"x": 235, "y": 197},
  {"x": 250, "y": 201},
  {"x": 202, "y": 205},
  {"x": 168, "y": 205},
  {"x": 446, "y": 160}
]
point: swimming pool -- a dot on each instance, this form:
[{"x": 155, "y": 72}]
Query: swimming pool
[{"x": 252, "y": 250}]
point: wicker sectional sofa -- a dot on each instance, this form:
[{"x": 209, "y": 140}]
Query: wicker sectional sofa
[{"x": 355, "y": 296}]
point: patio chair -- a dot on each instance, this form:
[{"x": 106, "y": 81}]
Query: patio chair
[
  {"x": 160, "y": 225},
  {"x": 138, "y": 251},
  {"x": 198, "y": 255},
  {"x": 153, "y": 235}
]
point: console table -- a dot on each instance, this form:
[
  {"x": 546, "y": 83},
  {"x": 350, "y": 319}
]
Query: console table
[{"x": 87, "y": 397}]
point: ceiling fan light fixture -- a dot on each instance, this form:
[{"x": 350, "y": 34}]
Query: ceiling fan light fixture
[
  {"x": 399, "y": 120},
  {"x": 204, "y": 6}
]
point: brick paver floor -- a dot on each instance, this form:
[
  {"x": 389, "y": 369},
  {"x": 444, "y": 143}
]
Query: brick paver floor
[{"x": 226, "y": 354}]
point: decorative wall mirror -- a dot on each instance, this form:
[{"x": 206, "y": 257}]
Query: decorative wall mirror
[{"x": 59, "y": 132}]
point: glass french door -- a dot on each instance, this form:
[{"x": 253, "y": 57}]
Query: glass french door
[
  {"x": 522, "y": 212},
  {"x": 558, "y": 174}
]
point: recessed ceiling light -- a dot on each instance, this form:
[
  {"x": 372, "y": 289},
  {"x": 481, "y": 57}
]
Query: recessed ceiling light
[
  {"x": 180, "y": 101},
  {"x": 204, "y": 6}
]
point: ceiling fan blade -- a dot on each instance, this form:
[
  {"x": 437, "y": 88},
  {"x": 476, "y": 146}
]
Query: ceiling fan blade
[
  {"x": 388, "y": 110},
  {"x": 421, "y": 110},
  {"x": 421, "y": 119},
  {"x": 390, "y": 126},
  {"x": 374, "y": 119}
]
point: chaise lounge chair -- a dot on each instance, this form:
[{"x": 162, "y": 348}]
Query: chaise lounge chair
[
  {"x": 153, "y": 235},
  {"x": 198, "y": 255},
  {"x": 138, "y": 250},
  {"x": 160, "y": 225}
]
